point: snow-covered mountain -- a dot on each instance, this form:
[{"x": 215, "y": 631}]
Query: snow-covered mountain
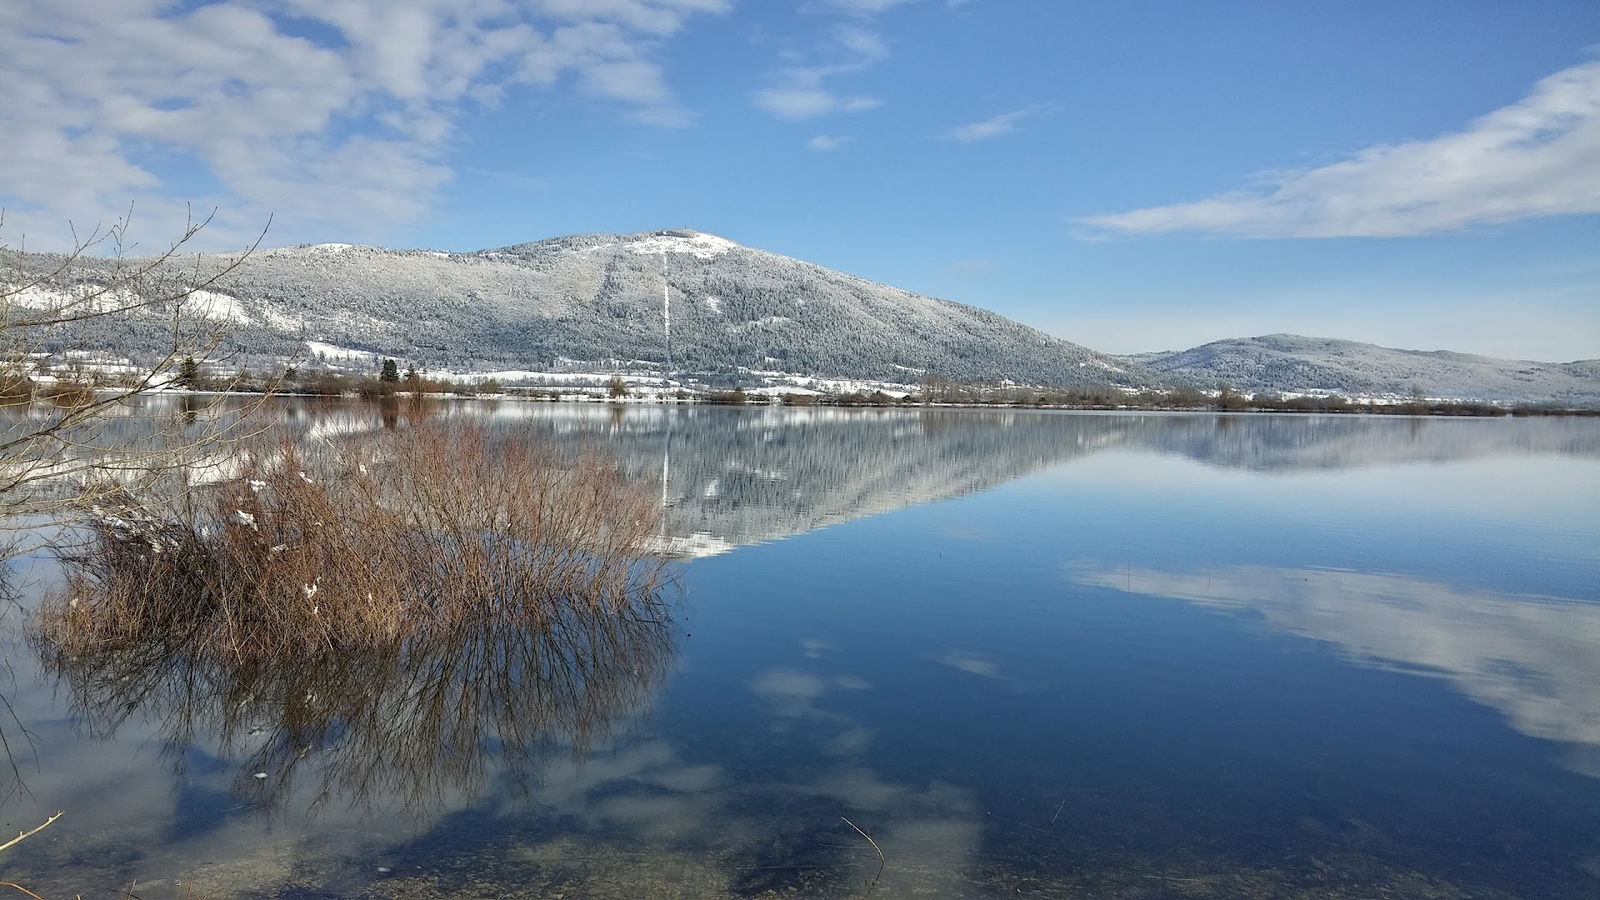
[
  {"x": 1290, "y": 362},
  {"x": 594, "y": 302},
  {"x": 598, "y": 297}
]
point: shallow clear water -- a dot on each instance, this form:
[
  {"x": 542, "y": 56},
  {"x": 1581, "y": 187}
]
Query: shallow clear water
[{"x": 1028, "y": 653}]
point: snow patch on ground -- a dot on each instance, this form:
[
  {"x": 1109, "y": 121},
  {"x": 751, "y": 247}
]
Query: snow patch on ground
[
  {"x": 701, "y": 246},
  {"x": 770, "y": 391},
  {"x": 277, "y": 319},
  {"x": 785, "y": 382},
  {"x": 217, "y": 306},
  {"x": 85, "y": 298},
  {"x": 336, "y": 353}
]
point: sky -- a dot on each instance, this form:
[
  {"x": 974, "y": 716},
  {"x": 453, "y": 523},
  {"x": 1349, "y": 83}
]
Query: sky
[{"x": 1130, "y": 175}]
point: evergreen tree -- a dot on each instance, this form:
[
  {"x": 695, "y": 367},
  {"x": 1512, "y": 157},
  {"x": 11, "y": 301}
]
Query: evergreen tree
[
  {"x": 188, "y": 373},
  {"x": 390, "y": 373}
]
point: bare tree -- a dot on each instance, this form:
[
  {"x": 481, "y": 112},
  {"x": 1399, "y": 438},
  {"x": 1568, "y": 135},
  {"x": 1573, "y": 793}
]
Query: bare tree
[
  {"x": 74, "y": 435},
  {"x": 69, "y": 432}
]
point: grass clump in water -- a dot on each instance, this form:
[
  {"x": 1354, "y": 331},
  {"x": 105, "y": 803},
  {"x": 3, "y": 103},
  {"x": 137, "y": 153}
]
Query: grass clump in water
[{"x": 359, "y": 544}]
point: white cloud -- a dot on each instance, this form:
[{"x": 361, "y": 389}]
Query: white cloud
[
  {"x": 796, "y": 102},
  {"x": 1537, "y": 157},
  {"x": 333, "y": 116},
  {"x": 867, "y": 7},
  {"x": 864, "y": 42},
  {"x": 801, "y": 91},
  {"x": 994, "y": 127},
  {"x": 640, "y": 84},
  {"x": 826, "y": 142},
  {"x": 800, "y": 102},
  {"x": 970, "y": 268}
]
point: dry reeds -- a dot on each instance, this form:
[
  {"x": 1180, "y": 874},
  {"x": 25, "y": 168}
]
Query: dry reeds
[
  {"x": 16, "y": 390},
  {"x": 67, "y": 393},
  {"x": 362, "y": 544}
]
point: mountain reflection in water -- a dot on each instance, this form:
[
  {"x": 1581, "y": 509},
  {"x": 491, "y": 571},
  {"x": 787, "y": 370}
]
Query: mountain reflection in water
[{"x": 736, "y": 476}]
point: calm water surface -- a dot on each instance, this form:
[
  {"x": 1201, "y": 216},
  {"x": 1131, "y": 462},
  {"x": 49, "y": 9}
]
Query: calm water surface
[{"x": 1031, "y": 654}]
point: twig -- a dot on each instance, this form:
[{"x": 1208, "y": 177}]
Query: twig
[
  {"x": 28, "y": 834},
  {"x": 19, "y": 839},
  {"x": 1058, "y": 811},
  {"x": 882, "y": 860}
]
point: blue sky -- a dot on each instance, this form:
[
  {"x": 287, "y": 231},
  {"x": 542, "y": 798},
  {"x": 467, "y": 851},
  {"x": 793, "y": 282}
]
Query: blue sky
[{"x": 1129, "y": 175}]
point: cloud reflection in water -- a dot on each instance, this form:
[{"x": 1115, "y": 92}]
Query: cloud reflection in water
[{"x": 1531, "y": 657}]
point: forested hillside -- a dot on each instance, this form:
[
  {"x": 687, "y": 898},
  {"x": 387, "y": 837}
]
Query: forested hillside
[{"x": 598, "y": 299}]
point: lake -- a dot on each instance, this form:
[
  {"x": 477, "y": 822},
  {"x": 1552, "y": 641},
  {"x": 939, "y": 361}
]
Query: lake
[{"x": 1020, "y": 653}]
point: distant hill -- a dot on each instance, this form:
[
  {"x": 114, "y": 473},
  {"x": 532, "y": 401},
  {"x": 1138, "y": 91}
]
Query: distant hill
[
  {"x": 1289, "y": 362},
  {"x": 598, "y": 298},
  {"x": 593, "y": 302}
]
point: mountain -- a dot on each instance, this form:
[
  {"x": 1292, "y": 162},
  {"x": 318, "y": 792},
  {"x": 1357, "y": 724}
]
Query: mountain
[
  {"x": 593, "y": 302},
  {"x": 1290, "y": 362},
  {"x": 597, "y": 298}
]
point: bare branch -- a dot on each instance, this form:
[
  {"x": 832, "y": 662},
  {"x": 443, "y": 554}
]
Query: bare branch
[{"x": 30, "y": 833}]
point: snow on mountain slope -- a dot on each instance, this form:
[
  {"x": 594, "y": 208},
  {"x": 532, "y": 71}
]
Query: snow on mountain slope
[
  {"x": 1288, "y": 362},
  {"x": 594, "y": 301},
  {"x": 597, "y": 297}
]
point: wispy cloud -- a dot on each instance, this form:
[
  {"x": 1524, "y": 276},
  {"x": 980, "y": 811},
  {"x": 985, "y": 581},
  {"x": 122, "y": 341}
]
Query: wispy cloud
[
  {"x": 868, "y": 7},
  {"x": 1537, "y": 157},
  {"x": 337, "y": 123},
  {"x": 824, "y": 142},
  {"x": 992, "y": 127},
  {"x": 873, "y": 7},
  {"x": 797, "y": 102},
  {"x": 867, "y": 44},
  {"x": 970, "y": 268},
  {"x": 803, "y": 95},
  {"x": 516, "y": 179},
  {"x": 803, "y": 90}
]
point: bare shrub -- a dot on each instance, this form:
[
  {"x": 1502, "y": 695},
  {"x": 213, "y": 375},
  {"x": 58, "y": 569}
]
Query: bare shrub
[
  {"x": 16, "y": 390},
  {"x": 46, "y": 300},
  {"x": 70, "y": 394},
  {"x": 331, "y": 547}
]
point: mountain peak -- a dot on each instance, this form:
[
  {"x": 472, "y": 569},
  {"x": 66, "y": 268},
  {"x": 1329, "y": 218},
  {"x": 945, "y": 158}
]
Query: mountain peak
[
  {"x": 663, "y": 240},
  {"x": 679, "y": 240}
]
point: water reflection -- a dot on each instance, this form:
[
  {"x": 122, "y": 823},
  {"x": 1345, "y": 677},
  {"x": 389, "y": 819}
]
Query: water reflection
[
  {"x": 735, "y": 476},
  {"x": 406, "y": 725},
  {"x": 992, "y": 744},
  {"x": 1531, "y": 657},
  {"x": 731, "y": 477}
]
